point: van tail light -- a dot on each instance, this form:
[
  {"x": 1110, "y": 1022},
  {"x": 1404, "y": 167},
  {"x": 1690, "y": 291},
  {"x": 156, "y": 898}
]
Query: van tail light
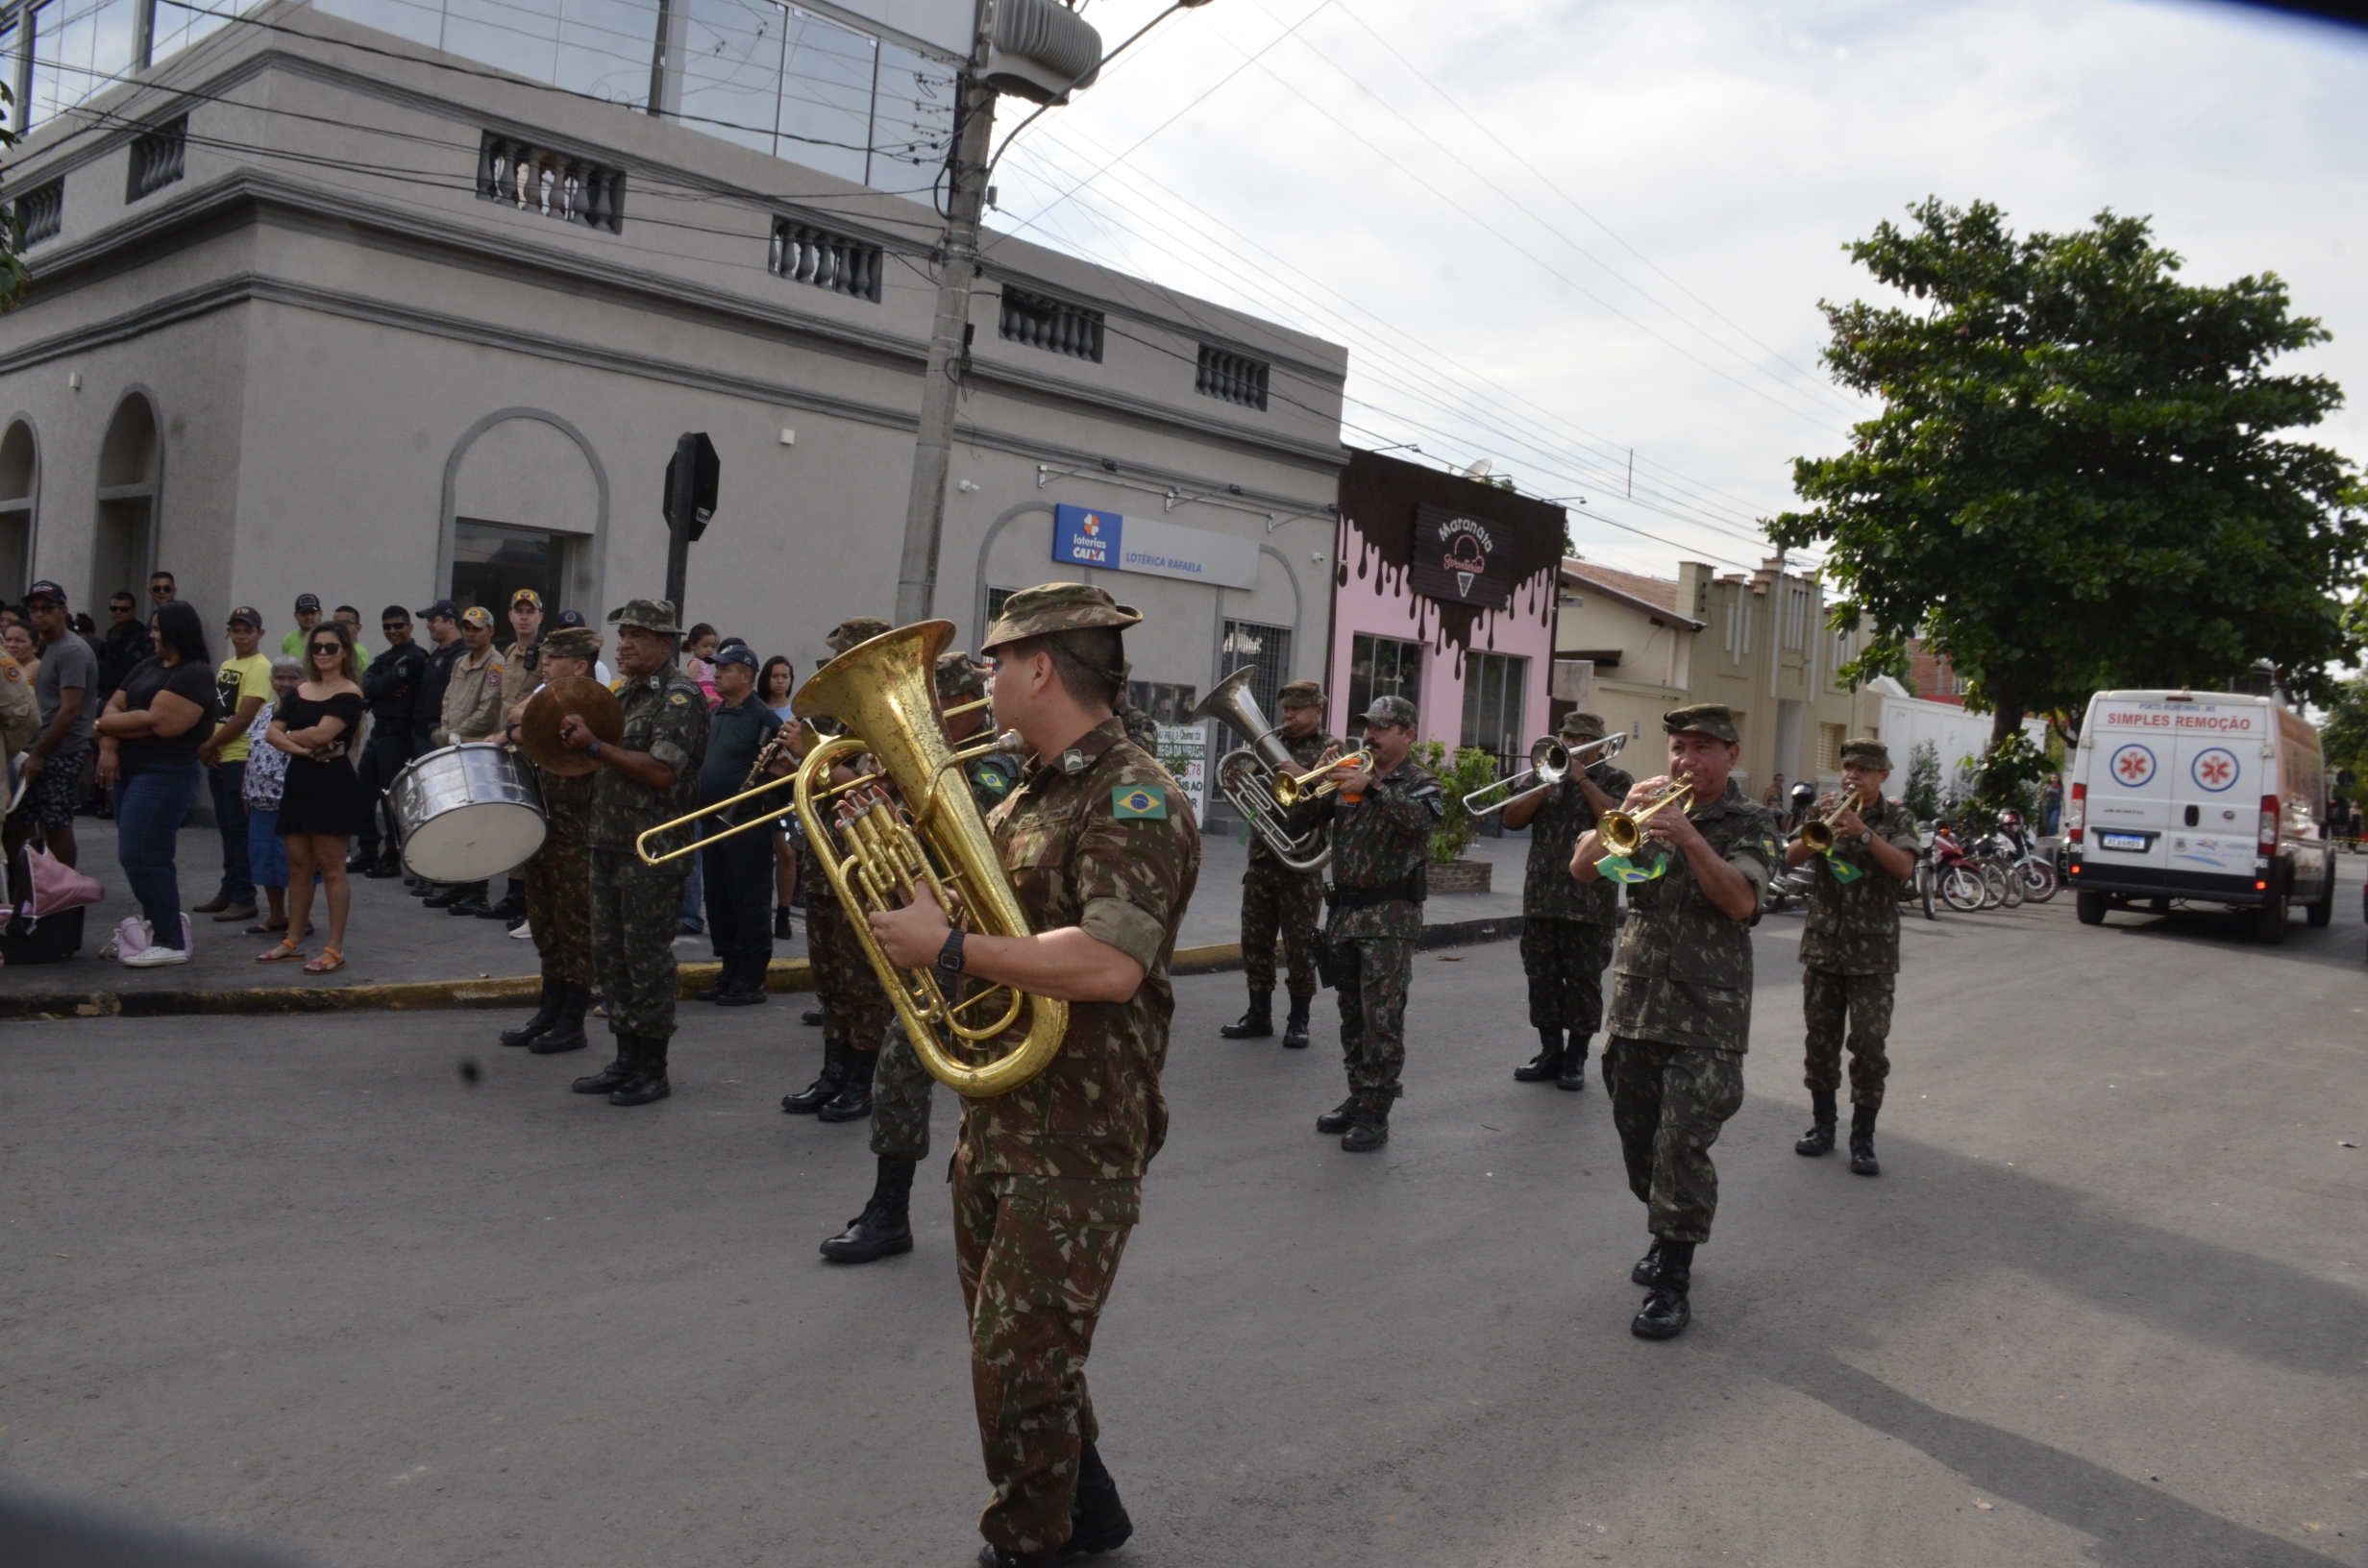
[
  {"x": 2075, "y": 814},
  {"x": 2269, "y": 825}
]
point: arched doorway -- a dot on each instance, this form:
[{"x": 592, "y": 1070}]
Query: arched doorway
[
  {"x": 526, "y": 505},
  {"x": 20, "y": 474},
  {"x": 124, "y": 540}
]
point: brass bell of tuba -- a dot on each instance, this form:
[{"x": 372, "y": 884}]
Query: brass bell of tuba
[
  {"x": 875, "y": 851},
  {"x": 1818, "y": 832},
  {"x": 1247, "y": 774}
]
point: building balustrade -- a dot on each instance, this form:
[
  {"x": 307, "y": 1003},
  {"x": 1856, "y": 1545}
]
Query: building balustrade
[
  {"x": 558, "y": 186},
  {"x": 804, "y": 253}
]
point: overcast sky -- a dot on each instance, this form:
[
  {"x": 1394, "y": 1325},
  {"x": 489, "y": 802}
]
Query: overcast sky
[{"x": 1355, "y": 168}]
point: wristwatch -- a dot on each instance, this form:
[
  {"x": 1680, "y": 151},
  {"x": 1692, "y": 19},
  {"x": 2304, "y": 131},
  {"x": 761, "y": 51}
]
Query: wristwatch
[{"x": 949, "y": 965}]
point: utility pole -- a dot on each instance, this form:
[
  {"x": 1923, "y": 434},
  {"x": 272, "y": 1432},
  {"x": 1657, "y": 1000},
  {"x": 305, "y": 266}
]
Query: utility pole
[{"x": 941, "y": 388}]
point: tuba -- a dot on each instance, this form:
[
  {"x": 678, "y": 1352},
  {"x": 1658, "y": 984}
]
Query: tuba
[
  {"x": 877, "y": 851},
  {"x": 1249, "y": 775}
]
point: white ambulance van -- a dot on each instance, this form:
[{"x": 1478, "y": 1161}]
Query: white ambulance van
[{"x": 2204, "y": 797}]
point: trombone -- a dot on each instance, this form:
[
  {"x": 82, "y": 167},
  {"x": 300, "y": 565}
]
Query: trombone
[
  {"x": 1622, "y": 832},
  {"x": 809, "y": 737},
  {"x": 1820, "y": 833},
  {"x": 1290, "y": 789},
  {"x": 1551, "y": 762}
]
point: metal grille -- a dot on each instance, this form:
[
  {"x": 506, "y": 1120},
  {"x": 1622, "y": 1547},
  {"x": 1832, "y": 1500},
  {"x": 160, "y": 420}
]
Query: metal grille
[
  {"x": 1165, "y": 701},
  {"x": 555, "y": 184},
  {"x": 1233, "y": 377},
  {"x": 1051, "y": 325},
  {"x": 1269, "y": 650},
  {"x": 803, "y": 254},
  {"x": 156, "y": 158},
  {"x": 41, "y": 212}
]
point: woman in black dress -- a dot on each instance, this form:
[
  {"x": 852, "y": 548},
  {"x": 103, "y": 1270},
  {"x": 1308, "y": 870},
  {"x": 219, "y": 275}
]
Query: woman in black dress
[{"x": 320, "y": 803}]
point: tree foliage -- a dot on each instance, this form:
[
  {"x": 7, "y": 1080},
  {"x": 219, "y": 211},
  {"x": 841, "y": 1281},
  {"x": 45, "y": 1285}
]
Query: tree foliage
[
  {"x": 2076, "y": 480},
  {"x": 13, "y": 277}
]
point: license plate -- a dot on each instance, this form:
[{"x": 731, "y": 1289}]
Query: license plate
[{"x": 2122, "y": 841}]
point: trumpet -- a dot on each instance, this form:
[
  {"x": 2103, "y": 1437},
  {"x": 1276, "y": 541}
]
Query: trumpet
[
  {"x": 1622, "y": 831},
  {"x": 1820, "y": 833},
  {"x": 811, "y": 739},
  {"x": 1290, "y": 789},
  {"x": 1551, "y": 762}
]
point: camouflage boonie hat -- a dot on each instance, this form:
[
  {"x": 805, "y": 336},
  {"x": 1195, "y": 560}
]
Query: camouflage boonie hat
[
  {"x": 861, "y": 628},
  {"x": 1395, "y": 711},
  {"x": 1056, "y": 606},
  {"x": 572, "y": 643},
  {"x": 649, "y": 614},
  {"x": 1712, "y": 718},
  {"x": 1299, "y": 694},
  {"x": 960, "y": 678},
  {"x": 1867, "y": 752},
  {"x": 1582, "y": 726}
]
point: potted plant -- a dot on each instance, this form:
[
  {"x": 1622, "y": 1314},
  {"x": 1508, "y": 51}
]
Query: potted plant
[{"x": 1472, "y": 769}]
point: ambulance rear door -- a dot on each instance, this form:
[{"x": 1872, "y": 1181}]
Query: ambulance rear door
[{"x": 2133, "y": 755}]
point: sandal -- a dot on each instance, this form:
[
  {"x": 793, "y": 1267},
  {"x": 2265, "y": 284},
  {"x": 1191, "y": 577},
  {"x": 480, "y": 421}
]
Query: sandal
[
  {"x": 267, "y": 928},
  {"x": 330, "y": 961},
  {"x": 287, "y": 952}
]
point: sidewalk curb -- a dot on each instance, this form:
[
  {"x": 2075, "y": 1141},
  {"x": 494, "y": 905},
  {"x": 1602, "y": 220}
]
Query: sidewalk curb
[{"x": 787, "y": 975}]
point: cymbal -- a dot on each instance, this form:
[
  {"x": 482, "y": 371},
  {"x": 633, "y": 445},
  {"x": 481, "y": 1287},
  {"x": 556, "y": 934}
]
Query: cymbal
[{"x": 539, "y": 727}]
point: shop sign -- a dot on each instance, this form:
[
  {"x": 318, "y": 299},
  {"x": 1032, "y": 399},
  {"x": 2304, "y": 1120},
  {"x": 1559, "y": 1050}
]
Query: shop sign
[
  {"x": 1184, "y": 751},
  {"x": 1081, "y": 537},
  {"x": 1457, "y": 559}
]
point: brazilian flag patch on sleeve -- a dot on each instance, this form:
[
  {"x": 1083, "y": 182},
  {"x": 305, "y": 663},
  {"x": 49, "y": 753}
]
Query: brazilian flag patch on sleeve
[{"x": 1140, "y": 803}]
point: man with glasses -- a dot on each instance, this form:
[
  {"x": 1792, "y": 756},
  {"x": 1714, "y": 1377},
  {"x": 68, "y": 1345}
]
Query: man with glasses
[
  {"x": 392, "y": 686},
  {"x": 124, "y": 645},
  {"x": 161, "y": 590}
]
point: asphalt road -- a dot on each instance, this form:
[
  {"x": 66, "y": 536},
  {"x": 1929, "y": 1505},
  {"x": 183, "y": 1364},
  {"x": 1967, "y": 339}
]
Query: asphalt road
[{"x": 299, "y": 1281}]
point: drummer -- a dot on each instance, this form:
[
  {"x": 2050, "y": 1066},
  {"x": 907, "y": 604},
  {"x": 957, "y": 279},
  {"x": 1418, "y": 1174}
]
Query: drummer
[{"x": 559, "y": 879}]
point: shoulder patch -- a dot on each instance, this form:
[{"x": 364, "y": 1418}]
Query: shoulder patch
[
  {"x": 1139, "y": 803},
  {"x": 14, "y": 670},
  {"x": 991, "y": 778},
  {"x": 679, "y": 700}
]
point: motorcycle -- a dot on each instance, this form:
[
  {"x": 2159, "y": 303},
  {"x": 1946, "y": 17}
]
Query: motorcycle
[{"x": 1958, "y": 874}]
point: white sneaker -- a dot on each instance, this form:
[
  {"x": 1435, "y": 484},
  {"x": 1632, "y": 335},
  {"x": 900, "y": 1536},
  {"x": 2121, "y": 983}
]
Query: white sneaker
[
  {"x": 150, "y": 958},
  {"x": 523, "y": 931},
  {"x": 133, "y": 935}
]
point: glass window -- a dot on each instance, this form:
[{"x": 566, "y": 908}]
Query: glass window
[
  {"x": 492, "y": 561},
  {"x": 1167, "y": 702},
  {"x": 1493, "y": 691},
  {"x": 1382, "y": 666},
  {"x": 731, "y": 69},
  {"x": 79, "y": 47},
  {"x": 828, "y": 75},
  {"x": 1269, "y": 650},
  {"x": 912, "y": 119}
]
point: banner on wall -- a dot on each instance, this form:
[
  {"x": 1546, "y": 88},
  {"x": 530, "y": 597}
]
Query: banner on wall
[
  {"x": 1460, "y": 559},
  {"x": 1184, "y": 751},
  {"x": 1112, "y": 543}
]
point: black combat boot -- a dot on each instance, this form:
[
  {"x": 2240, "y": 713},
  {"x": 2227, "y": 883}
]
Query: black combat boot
[
  {"x": 566, "y": 1031},
  {"x": 1255, "y": 1024},
  {"x": 472, "y": 901},
  {"x": 1098, "y": 1521},
  {"x": 612, "y": 1077},
  {"x": 1647, "y": 1272},
  {"x": 854, "y": 1099},
  {"x": 536, "y": 1027},
  {"x": 824, "y": 1088},
  {"x": 995, "y": 1556},
  {"x": 884, "y": 1228},
  {"x": 1861, "y": 1140},
  {"x": 1574, "y": 1076},
  {"x": 721, "y": 984},
  {"x": 443, "y": 897},
  {"x": 389, "y": 864},
  {"x": 1667, "y": 1310},
  {"x": 1335, "y": 1122},
  {"x": 1546, "y": 1067},
  {"x": 649, "y": 1081},
  {"x": 811, "y": 1017},
  {"x": 1819, "y": 1139},
  {"x": 511, "y": 909},
  {"x": 1294, "y": 1027},
  {"x": 1367, "y": 1129},
  {"x": 744, "y": 981}
]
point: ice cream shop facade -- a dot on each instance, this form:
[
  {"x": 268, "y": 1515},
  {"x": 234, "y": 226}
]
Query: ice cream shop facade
[{"x": 1443, "y": 593}]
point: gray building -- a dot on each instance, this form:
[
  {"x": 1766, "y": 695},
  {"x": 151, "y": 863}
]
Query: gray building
[{"x": 384, "y": 299}]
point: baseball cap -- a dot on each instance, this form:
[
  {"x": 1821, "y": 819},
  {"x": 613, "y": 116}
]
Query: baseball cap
[
  {"x": 477, "y": 615},
  {"x": 45, "y": 589},
  {"x": 308, "y": 603},
  {"x": 529, "y": 595},
  {"x": 249, "y": 614},
  {"x": 739, "y": 654},
  {"x": 571, "y": 617},
  {"x": 443, "y": 607}
]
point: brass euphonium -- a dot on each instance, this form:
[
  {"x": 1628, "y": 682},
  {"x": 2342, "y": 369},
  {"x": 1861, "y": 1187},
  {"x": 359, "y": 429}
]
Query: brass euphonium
[
  {"x": 1818, "y": 832},
  {"x": 875, "y": 851}
]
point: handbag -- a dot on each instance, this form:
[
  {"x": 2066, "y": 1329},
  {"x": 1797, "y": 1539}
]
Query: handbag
[{"x": 55, "y": 887}]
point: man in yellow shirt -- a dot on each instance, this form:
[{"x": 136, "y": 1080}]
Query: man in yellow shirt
[{"x": 245, "y": 685}]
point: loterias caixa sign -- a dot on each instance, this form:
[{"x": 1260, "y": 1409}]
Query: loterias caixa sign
[{"x": 1457, "y": 559}]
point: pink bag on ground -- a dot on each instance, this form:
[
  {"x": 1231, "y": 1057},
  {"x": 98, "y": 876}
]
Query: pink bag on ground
[{"x": 57, "y": 887}]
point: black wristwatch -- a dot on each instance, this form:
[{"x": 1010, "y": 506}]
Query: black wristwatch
[{"x": 950, "y": 961}]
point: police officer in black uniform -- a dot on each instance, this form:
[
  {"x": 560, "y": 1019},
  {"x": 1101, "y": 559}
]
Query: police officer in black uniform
[{"x": 392, "y": 687}]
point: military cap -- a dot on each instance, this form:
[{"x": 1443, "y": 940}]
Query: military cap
[
  {"x": 861, "y": 628},
  {"x": 1393, "y": 711},
  {"x": 960, "y": 678},
  {"x": 1583, "y": 726},
  {"x": 478, "y": 616},
  {"x": 649, "y": 614},
  {"x": 1867, "y": 752},
  {"x": 1712, "y": 718},
  {"x": 572, "y": 643},
  {"x": 1056, "y": 606},
  {"x": 1300, "y": 694}
]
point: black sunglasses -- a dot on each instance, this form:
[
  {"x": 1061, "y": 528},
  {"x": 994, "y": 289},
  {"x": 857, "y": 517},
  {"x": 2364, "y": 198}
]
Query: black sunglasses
[{"x": 318, "y": 649}]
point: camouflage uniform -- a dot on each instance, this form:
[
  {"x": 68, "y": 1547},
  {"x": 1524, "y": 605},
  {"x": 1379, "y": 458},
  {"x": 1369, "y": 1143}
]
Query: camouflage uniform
[
  {"x": 900, "y": 1086},
  {"x": 1568, "y": 926},
  {"x": 1382, "y": 841},
  {"x": 1681, "y": 1019},
  {"x": 559, "y": 880},
  {"x": 1046, "y": 1178},
  {"x": 855, "y": 1007},
  {"x": 634, "y": 906},
  {"x": 1279, "y": 901},
  {"x": 1850, "y": 958}
]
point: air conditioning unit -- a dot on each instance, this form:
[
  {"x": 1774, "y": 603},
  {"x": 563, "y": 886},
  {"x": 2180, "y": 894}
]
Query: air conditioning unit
[{"x": 1040, "y": 49}]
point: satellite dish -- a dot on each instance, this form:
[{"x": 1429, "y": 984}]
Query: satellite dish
[{"x": 1480, "y": 469}]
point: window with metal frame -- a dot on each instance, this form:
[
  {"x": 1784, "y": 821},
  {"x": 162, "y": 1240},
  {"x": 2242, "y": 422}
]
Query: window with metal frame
[
  {"x": 1168, "y": 702},
  {"x": 1268, "y": 648},
  {"x": 1382, "y": 666},
  {"x": 1494, "y": 688}
]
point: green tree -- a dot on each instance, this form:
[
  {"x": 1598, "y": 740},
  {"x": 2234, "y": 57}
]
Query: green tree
[
  {"x": 13, "y": 277},
  {"x": 1472, "y": 769},
  {"x": 2076, "y": 480},
  {"x": 2344, "y": 737},
  {"x": 1922, "y": 796}
]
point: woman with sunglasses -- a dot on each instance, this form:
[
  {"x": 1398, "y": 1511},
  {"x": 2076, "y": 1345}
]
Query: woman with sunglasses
[
  {"x": 774, "y": 686},
  {"x": 320, "y": 801}
]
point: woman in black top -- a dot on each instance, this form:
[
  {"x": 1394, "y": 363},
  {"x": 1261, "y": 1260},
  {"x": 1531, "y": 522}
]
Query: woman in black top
[
  {"x": 148, "y": 740},
  {"x": 320, "y": 803}
]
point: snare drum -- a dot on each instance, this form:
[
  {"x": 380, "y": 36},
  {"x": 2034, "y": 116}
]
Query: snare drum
[{"x": 466, "y": 812}]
